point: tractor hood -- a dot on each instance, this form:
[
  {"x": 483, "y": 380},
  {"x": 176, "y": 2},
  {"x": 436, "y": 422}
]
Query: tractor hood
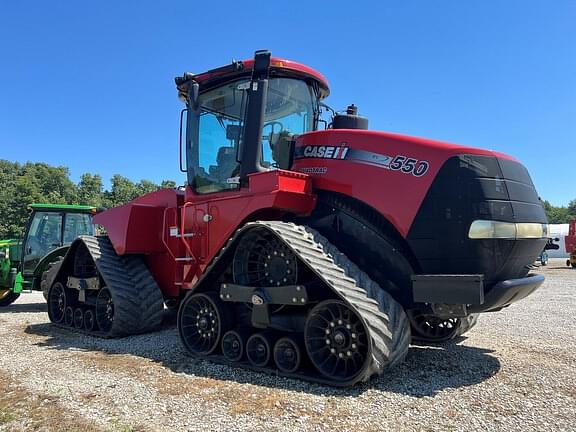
[{"x": 394, "y": 173}]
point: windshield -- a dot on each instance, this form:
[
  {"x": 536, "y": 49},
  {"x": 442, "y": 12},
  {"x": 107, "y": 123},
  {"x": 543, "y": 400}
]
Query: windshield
[{"x": 290, "y": 111}]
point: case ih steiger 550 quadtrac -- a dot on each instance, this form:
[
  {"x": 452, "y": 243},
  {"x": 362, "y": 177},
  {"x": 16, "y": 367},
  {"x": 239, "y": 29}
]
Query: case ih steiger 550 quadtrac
[{"x": 313, "y": 252}]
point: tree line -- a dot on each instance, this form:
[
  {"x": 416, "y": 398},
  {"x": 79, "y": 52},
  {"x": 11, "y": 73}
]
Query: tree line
[
  {"x": 24, "y": 184},
  {"x": 560, "y": 215}
]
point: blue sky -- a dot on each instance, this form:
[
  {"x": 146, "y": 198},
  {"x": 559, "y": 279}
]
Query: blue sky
[{"x": 90, "y": 85}]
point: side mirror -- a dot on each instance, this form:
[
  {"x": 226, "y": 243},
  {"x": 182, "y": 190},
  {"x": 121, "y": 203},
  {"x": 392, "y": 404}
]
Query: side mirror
[{"x": 2, "y": 255}]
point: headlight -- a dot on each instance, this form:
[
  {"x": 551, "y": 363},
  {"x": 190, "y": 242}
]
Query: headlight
[{"x": 487, "y": 229}]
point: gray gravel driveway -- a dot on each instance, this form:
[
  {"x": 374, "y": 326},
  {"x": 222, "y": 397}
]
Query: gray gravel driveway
[{"x": 515, "y": 371}]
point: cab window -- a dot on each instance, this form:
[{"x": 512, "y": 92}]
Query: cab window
[
  {"x": 220, "y": 129},
  {"x": 44, "y": 234}
]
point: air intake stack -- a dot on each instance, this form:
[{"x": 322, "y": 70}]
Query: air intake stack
[{"x": 350, "y": 120}]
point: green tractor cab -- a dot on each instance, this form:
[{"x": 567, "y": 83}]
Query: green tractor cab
[{"x": 50, "y": 230}]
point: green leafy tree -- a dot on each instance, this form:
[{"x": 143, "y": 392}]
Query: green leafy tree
[
  {"x": 572, "y": 209},
  {"x": 122, "y": 191},
  {"x": 146, "y": 186},
  {"x": 168, "y": 184},
  {"x": 90, "y": 190}
]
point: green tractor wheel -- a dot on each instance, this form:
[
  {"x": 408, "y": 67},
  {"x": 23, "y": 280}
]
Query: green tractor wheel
[{"x": 7, "y": 297}]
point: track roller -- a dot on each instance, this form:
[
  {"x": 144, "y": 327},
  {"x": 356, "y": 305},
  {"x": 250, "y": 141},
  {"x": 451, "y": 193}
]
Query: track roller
[
  {"x": 202, "y": 321},
  {"x": 104, "y": 310},
  {"x": 233, "y": 343},
  {"x": 259, "y": 349},
  {"x": 287, "y": 355},
  {"x": 69, "y": 316},
  {"x": 78, "y": 318},
  {"x": 89, "y": 320}
]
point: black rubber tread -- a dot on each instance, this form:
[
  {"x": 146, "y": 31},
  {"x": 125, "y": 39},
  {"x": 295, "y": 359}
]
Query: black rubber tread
[
  {"x": 368, "y": 239},
  {"x": 383, "y": 317},
  {"x": 387, "y": 322},
  {"x": 136, "y": 308},
  {"x": 49, "y": 276},
  {"x": 150, "y": 296},
  {"x": 9, "y": 299}
]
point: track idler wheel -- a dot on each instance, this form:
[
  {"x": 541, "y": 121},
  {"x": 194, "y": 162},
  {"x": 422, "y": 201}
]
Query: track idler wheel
[
  {"x": 104, "y": 310},
  {"x": 337, "y": 341},
  {"x": 69, "y": 316},
  {"x": 202, "y": 321},
  {"x": 233, "y": 343},
  {"x": 89, "y": 320},
  {"x": 287, "y": 355},
  {"x": 78, "y": 318},
  {"x": 57, "y": 303},
  {"x": 259, "y": 349}
]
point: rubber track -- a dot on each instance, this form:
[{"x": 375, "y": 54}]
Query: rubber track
[
  {"x": 138, "y": 301},
  {"x": 49, "y": 276},
  {"x": 384, "y": 318}
]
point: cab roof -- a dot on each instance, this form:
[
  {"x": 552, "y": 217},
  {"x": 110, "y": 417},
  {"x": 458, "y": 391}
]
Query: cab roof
[
  {"x": 64, "y": 207},
  {"x": 278, "y": 67}
]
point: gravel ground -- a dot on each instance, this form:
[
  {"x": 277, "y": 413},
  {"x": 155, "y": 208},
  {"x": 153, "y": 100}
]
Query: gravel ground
[{"x": 516, "y": 370}]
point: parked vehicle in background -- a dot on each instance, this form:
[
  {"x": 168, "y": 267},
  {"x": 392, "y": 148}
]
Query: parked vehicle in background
[{"x": 50, "y": 230}]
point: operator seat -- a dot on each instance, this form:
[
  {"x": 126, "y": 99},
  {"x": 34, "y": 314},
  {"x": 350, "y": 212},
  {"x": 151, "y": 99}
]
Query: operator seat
[
  {"x": 280, "y": 143},
  {"x": 226, "y": 160}
]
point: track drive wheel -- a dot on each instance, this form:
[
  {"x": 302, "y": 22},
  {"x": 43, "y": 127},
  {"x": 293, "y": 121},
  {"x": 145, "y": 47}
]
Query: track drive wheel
[
  {"x": 202, "y": 320},
  {"x": 7, "y": 297},
  {"x": 337, "y": 341},
  {"x": 262, "y": 259},
  {"x": 429, "y": 328}
]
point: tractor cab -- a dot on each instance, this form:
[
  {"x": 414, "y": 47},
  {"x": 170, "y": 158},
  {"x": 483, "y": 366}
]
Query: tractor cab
[
  {"x": 51, "y": 227},
  {"x": 243, "y": 118},
  {"x": 50, "y": 230}
]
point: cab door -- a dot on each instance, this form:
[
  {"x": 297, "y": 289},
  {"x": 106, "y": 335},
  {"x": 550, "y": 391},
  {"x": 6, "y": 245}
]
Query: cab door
[{"x": 43, "y": 235}]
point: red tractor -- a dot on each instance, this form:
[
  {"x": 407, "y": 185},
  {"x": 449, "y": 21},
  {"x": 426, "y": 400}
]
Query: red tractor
[
  {"x": 570, "y": 241},
  {"x": 309, "y": 251}
]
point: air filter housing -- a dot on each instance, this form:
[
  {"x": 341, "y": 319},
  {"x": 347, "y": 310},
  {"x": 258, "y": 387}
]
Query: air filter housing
[{"x": 350, "y": 120}]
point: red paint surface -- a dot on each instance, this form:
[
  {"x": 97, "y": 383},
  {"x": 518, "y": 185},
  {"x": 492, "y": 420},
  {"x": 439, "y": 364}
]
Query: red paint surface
[
  {"x": 394, "y": 194},
  {"x": 207, "y": 221},
  {"x": 570, "y": 239},
  {"x": 276, "y": 64}
]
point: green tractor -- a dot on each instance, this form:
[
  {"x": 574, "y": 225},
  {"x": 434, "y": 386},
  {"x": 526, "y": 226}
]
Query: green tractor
[{"x": 50, "y": 230}]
